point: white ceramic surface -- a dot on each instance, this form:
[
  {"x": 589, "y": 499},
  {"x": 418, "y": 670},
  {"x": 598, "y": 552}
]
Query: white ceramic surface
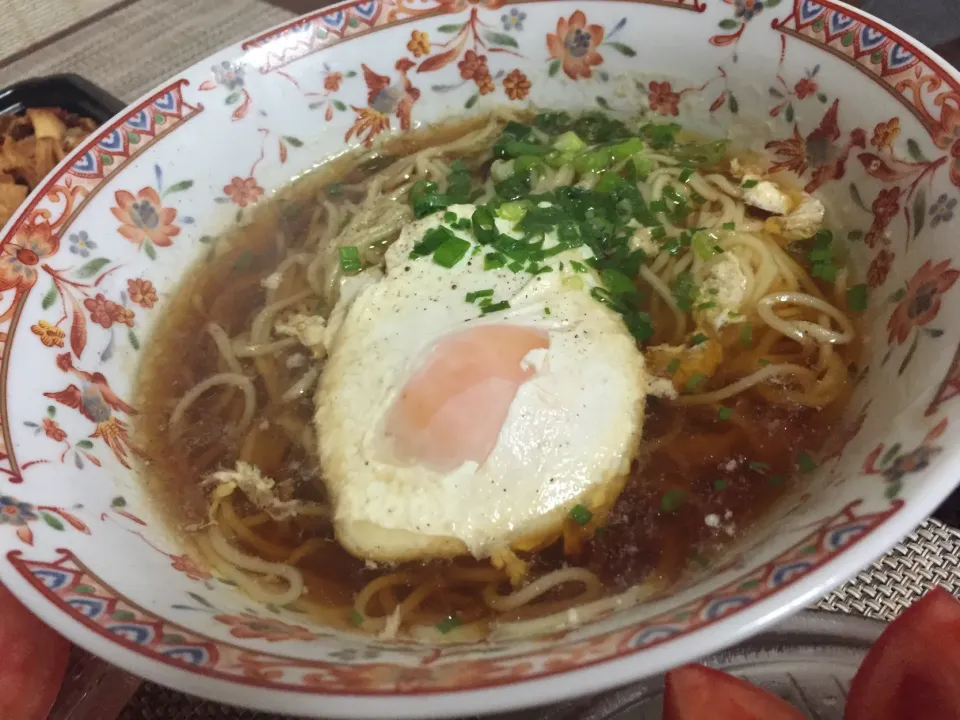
[{"x": 868, "y": 117}]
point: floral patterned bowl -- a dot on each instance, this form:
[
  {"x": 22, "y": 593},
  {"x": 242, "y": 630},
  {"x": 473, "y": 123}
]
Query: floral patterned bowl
[{"x": 868, "y": 117}]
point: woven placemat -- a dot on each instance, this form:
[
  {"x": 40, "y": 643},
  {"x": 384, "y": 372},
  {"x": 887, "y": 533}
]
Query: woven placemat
[{"x": 928, "y": 557}]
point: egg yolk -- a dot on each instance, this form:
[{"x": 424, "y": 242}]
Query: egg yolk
[{"x": 452, "y": 409}]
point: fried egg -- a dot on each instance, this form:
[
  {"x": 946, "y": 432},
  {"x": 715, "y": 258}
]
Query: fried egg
[{"x": 469, "y": 410}]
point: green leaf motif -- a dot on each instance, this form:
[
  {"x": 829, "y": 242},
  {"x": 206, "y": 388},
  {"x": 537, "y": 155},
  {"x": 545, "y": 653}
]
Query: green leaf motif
[
  {"x": 150, "y": 250},
  {"x": 449, "y": 28},
  {"x": 85, "y": 444},
  {"x": 200, "y": 599},
  {"x": 919, "y": 211},
  {"x": 50, "y": 298},
  {"x": 134, "y": 340},
  {"x": 92, "y": 268},
  {"x": 730, "y": 24},
  {"x": 789, "y": 114},
  {"x": 913, "y": 147},
  {"x": 51, "y": 411},
  {"x": 174, "y": 639},
  {"x": 350, "y": 74},
  {"x": 52, "y": 520},
  {"x": 857, "y": 198},
  {"x": 471, "y": 101},
  {"x": 339, "y": 105},
  {"x": 122, "y": 615},
  {"x": 118, "y": 502},
  {"x": 733, "y": 104},
  {"x": 206, "y": 239},
  {"x": 602, "y": 102},
  {"x": 499, "y": 38},
  {"x": 294, "y": 141},
  {"x": 771, "y": 3},
  {"x": 623, "y": 49},
  {"x": 910, "y": 353},
  {"x": 83, "y": 589},
  {"x": 232, "y": 98},
  {"x": 890, "y": 454},
  {"x": 554, "y": 67},
  {"x": 179, "y": 187}
]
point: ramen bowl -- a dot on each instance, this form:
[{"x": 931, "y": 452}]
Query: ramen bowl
[{"x": 868, "y": 119}]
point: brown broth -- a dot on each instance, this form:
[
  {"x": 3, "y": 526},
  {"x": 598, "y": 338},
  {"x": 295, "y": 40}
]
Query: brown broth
[{"x": 683, "y": 503}]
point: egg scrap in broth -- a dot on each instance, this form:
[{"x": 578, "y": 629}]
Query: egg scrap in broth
[{"x": 490, "y": 372}]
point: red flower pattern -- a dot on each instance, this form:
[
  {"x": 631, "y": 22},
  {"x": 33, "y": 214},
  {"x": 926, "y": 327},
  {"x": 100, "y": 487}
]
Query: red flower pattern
[
  {"x": 20, "y": 256},
  {"x": 53, "y": 431},
  {"x": 879, "y": 268},
  {"x": 575, "y": 45},
  {"x": 885, "y": 208},
  {"x": 663, "y": 99},
  {"x": 143, "y": 218},
  {"x": 243, "y": 191},
  {"x": 805, "y": 87},
  {"x": 251, "y": 627},
  {"x": 921, "y": 300}
]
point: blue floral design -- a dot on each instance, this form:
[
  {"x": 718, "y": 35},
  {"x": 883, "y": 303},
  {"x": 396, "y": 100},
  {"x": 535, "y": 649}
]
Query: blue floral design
[
  {"x": 941, "y": 210},
  {"x": 81, "y": 244},
  {"x": 513, "y": 20},
  {"x": 746, "y": 9},
  {"x": 229, "y": 75},
  {"x": 16, "y": 513}
]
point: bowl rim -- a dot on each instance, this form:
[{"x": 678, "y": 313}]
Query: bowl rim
[{"x": 546, "y": 688}]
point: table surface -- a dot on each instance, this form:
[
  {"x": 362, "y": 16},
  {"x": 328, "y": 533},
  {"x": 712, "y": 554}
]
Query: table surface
[{"x": 129, "y": 46}]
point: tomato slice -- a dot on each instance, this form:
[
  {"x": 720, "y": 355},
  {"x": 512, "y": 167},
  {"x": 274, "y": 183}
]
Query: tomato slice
[
  {"x": 696, "y": 692},
  {"x": 33, "y": 660},
  {"x": 913, "y": 670}
]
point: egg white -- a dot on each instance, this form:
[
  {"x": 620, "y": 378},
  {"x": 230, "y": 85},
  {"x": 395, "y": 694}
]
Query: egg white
[{"x": 569, "y": 436}]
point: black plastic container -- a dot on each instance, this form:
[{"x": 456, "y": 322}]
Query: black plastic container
[{"x": 70, "y": 92}]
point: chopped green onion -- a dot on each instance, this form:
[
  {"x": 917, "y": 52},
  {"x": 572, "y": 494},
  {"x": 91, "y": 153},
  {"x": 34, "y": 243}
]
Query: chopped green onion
[
  {"x": 706, "y": 305},
  {"x": 776, "y": 480},
  {"x": 569, "y": 142},
  {"x": 350, "y": 258},
  {"x": 617, "y": 283},
  {"x": 695, "y": 381},
  {"x": 432, "y": 239},
  {"x": 658, "y": 206},
  {"x": 578, "y": 266},
  {"x": 546, "y": 311},
  {"x": 724, "y": 413},
  {"x": 572, "y": 282},
  {"x": 449, "y": 217},
  {"x": 857, "y": 298},
  {"x": 698, "y": 339},
  {"x": 642, "y": 164},
  {"x": 747, "y": 184},
  {"x": 720, "y": 484},
  {"x": 483, "y": 226},
  {"x": 758, "y": 466},
  {"x": 684, "y": 291},
  {"x": 705, "y": 245},
  {"x": 746, "y": 334},
  {"x": 673, "y": 366},
  {"x": 672, "y": 500},
  {"x": 485, "y": 301},
  {"x": 516, "y": 266},
  {"x": 492, "y": 261},
  {"x": 496, "y": 307},
  {"x": 729, "y": 226},
  {"x": 451, "y": 252},
  {"x": 356, "y": 618},
  {"x": 580, "y": 515},
  {"x": 686, "y": 174},
  {"x": 477, "y": 294},
  {"x": 806, "y": 463},
  {"x": 513, "y": 211},
  {"x": 448, "y": 624}
]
